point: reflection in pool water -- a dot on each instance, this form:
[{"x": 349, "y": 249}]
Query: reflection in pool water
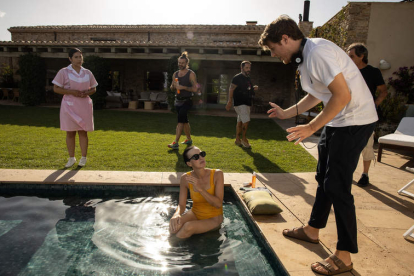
[{"x": 122, "y": 236}]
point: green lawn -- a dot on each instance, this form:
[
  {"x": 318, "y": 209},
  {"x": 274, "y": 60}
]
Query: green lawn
[{"x": 30, "y": 138}]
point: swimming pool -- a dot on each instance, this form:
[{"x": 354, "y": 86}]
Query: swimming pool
[{"x": 120, "y": 230}]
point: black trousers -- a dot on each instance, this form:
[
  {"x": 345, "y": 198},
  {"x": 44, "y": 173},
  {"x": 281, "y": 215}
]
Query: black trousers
[{"x": 339, "y": 150}]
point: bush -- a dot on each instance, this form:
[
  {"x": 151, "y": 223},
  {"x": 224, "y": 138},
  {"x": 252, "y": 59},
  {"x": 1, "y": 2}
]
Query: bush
[
  {"x": 7, "y": 80},
  {"x": 172, "y": 68},
  {"x": 404, "y": 83},
  {"x": 32, "y": 70},
  {"x": 392, "y": 108},
  {"x": 101, "y": 71}
]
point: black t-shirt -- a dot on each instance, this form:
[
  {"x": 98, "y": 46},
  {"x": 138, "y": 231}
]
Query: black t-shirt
[
  {"x": 243, "y": 93},
  {"x": 373, "y": 78}
]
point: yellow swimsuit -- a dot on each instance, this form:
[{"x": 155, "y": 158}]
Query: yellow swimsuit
[{"x": 201, "y": 208}]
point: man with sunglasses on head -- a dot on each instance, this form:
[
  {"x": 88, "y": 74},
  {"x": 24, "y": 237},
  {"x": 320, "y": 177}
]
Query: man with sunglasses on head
[
  {"x": 241, "y": 91},
  {"x": 327, "y": 74}
]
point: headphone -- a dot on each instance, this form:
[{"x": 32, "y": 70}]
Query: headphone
[{"x": 297, "y": 58}]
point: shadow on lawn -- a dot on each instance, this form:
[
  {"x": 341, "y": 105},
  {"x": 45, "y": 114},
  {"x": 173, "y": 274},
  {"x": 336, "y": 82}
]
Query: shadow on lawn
[
  {"x": 112, "y": 120},
  {"x": 262, "y": 163}
]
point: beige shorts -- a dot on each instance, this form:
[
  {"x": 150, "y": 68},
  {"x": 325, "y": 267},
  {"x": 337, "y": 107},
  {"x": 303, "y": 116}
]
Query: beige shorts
[
  {"x": 368, "y": 152},
  {"x": 243, "y": 113}
]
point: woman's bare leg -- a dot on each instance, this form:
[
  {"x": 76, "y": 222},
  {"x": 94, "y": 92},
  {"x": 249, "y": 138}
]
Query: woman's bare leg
[
  {"x": 70, "y": 142},
  {"x": 189, "y": 216},
  {"x": 199, "y": 226},
  {"x": 83, "y": 142}
]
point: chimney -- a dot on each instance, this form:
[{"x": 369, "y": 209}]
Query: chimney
[
  {"x": 251, "y": 23},
  {"x": 306, "y": 11},
  {"x": 305, "y": 26}
]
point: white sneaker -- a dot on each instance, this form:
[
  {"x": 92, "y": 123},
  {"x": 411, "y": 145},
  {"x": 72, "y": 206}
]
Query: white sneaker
[
  {"x": 82, "y": 162},
  {"x": 71, "y": 162}
]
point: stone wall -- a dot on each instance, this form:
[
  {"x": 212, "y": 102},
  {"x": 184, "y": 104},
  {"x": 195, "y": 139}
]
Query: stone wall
[
  {"x": 357, "y": 22},
  {"x": 306, "y": 27}
]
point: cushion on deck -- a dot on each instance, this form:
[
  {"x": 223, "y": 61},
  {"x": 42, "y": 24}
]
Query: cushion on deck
[{"x": 261, "y": 203}]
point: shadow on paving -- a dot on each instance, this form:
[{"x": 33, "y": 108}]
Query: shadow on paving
[{"x": 399, "y": 204}]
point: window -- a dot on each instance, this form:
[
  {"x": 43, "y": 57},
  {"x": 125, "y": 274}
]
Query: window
[{"x": 217, "y": 89}]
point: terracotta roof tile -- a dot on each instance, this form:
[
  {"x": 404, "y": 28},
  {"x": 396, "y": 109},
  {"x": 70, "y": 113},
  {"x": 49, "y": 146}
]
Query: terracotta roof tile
[
  {"x": 257, "y": 28},
  {"x": 120, "y": 43}
]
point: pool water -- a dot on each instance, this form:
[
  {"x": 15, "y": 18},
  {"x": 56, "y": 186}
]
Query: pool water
[{"x": 92, "y": 232}]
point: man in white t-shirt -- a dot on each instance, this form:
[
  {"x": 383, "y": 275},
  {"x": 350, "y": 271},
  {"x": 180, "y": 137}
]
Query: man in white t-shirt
[{"x": 327, "y": 74}]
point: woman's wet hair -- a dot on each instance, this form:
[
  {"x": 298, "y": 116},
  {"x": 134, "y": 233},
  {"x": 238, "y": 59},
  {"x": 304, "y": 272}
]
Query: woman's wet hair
[
  {"x": 184, "y": 55},
  {"x": 185, "y": 157},
  {"x": 72, "y": 51}
]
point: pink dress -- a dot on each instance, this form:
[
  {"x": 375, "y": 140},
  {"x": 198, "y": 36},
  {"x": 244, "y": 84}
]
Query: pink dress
[{"x": 76, "y": 113}]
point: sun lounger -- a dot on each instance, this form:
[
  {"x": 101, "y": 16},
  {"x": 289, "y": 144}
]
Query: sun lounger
[{"x": 402, "y": 138}]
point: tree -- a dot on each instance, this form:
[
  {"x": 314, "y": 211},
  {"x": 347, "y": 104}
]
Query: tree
[
  {"x": 100, "y": 69},
  {"x": 32, "y": 70},
  {"x": 7, "y": 76}
]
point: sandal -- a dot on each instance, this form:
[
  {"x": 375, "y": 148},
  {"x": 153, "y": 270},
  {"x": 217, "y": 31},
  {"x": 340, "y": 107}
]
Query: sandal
[
  {"x": 342, "y": 268},
  {"x": 299, "y": 235}
]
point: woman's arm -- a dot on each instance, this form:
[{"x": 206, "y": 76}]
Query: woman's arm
[
  {"x": 215, "y": 200},
  {"x": 182, "y": 200},
  {"x": 90, "y": 91},
  {"x": 63, "y": 91},
  {"x": 175, "y": 221}
]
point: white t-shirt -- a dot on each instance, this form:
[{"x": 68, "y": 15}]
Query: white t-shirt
[{"x": 322, "y": 61}]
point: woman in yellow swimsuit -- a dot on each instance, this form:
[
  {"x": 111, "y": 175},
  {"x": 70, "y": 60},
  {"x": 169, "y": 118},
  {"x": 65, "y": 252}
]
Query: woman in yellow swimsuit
[{"x": 206, "y": 190}]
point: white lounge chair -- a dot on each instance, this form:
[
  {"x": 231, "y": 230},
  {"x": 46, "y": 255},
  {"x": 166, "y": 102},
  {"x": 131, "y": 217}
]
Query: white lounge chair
[
  {"x": 403, "y": 137},
  {"x": 409, "y": 233}
]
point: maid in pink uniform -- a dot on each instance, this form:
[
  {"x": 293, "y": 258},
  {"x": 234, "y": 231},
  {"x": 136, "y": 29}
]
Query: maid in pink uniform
[{"x": 76, "y": 84}]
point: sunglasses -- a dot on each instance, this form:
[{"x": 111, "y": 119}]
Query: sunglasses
[{"x": 197, "y": 155}]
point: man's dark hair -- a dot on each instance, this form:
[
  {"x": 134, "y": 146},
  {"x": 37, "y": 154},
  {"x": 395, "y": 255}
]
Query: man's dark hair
[
  {"x": 72, "y": 51},
  {"x": 184, "y": 55},
  {"x": 185, "y": 157},
  {"x": 245, "y": 62},
  {"x": 360, "y": 50},
  {"x": 283, "y": 25}
]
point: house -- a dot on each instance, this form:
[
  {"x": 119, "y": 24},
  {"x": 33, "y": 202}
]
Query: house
[{"x": 139, "y": 55}]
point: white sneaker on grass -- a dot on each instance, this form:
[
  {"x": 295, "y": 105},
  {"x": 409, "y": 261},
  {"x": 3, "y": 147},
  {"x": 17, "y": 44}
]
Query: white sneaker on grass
[
  {"x": 82, "y": 162},
  {"x": 71, "y": 162}
]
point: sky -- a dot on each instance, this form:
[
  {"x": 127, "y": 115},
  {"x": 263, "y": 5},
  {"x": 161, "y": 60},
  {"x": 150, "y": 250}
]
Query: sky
[{"x": 141, "y": 12}]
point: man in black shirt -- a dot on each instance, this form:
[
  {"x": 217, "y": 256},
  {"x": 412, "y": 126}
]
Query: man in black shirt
[
  {"x": 373, "y": 77},
  {"x": 241, "y": 91}
]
